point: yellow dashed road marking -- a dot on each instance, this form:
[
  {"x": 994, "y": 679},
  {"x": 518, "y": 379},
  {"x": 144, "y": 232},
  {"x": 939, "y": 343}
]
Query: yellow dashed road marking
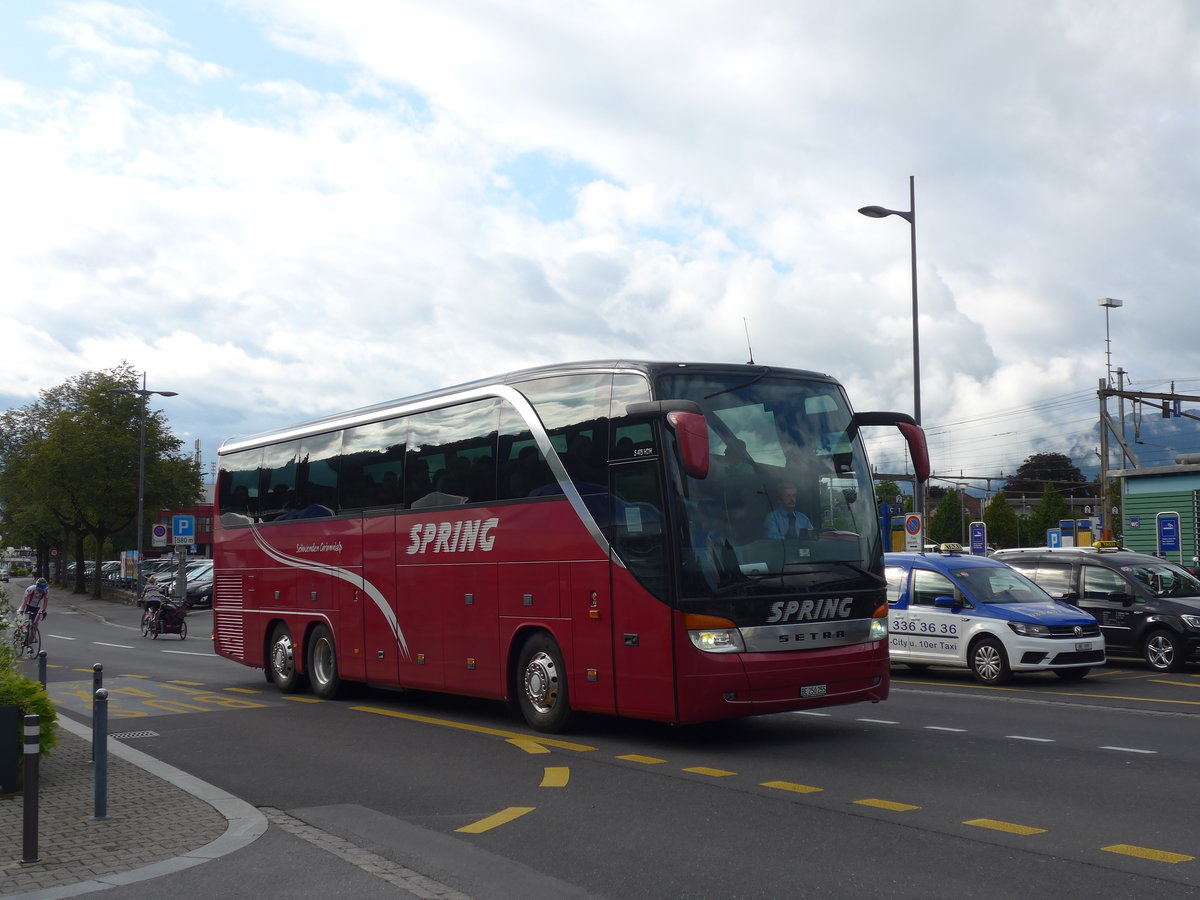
[
  {"x": 528, "y": 745},
  {"x": 790, "y": 786},
  {"x": 645, "y": 760},
  {"x": 887, "y": 804},
  {"x": 1009, "y": 827},
  {"x": 302, "y": 699},
  {"x": 556, "y": 776},
  {"x": 712, "y": 773},
  {"x": 478, "y": 729},
  {"x": 501, "y": 818},
  {"x": 200, "y": 684},
  {"x": 1147, "y": 853},
  {"x": 242, "y": 691}
]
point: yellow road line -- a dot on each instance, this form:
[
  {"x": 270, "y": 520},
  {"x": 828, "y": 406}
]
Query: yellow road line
[
  {"x": 645, "y": 760},
  {"x": 146, "y": 677},
  {"x": 556, "y": 776},
  {"x": 791, "y": 786},
  {"x": 1009, "y": 827},
  {"x": 301, "y": 699},
  {"x": 199, "y": 684},
  {"x": 887, "y": 804},
  {"x": 1147, "y": 853},
  {"x": 529, "y": 745},
  {"x": 478, "y": 729},
  {"x": 242, "y": 691},
  {"x": 712, "y": 773},
  {"x": 501, "y": 818}
]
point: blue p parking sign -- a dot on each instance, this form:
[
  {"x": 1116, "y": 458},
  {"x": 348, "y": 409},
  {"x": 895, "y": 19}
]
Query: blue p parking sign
[{"x": 183, "y": 530}]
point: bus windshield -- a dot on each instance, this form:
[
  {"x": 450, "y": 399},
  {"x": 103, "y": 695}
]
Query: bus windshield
[{"x": 788, "y": 502}]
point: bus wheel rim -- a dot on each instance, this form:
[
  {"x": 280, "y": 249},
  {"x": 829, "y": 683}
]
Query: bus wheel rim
[
  {"x": 283, "y": 656},
  {"x": 541, "y": 681}
]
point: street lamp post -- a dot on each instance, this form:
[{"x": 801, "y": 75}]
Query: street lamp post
[
  {"x": 142, "y": 394},
  {"x": 910, "y": 216},
  {"x": 1107, "y": 303}
]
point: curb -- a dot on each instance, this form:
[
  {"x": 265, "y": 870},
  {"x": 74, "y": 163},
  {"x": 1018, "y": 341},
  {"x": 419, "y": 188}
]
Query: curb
[{"x": 246, "y": 824}]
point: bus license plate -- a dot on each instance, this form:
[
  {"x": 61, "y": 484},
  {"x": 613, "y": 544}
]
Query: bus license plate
[
  {"x": 1085, "y": 645},
  {"x": 813, "y": 690}
]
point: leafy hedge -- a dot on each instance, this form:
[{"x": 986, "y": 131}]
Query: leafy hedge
[{"x": 17, "y": 690}]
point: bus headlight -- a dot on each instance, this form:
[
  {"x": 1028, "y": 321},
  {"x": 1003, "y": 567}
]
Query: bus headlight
[
  {"x": 878, "y": 630},
  {"x": 713, "y": 634}
]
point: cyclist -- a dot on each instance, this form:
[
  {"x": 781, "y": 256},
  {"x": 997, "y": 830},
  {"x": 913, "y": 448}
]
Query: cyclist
[
  {"x": 36, "y": 603},
  {"x": 152, "y": 599}
]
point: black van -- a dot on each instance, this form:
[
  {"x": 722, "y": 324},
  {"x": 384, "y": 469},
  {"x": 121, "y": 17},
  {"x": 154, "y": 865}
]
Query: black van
[{"x": 1146, "y": 606}]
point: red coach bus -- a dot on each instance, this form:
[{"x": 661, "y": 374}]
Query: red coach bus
[{"x": 593, "y": 536}]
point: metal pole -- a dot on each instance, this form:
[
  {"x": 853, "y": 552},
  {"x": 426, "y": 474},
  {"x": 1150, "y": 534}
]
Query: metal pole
[
  {"x": 97, "y": 683},
  {"x": 29, "y": 842},
  {"x": 919, "y": 499},
  {"x": 100, "y": 743},
  {"x": 141, "y": 514}
]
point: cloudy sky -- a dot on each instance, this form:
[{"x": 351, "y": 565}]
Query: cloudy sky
[{"x": 282, "y": 208}]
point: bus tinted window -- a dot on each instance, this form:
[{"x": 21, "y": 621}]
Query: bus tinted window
[
  {"x": 371, "y": 467},
  {"x": 237, "y": 490},
  {"x": 278, "y": 478},
  {"x": 574, "y": 409},
  {"x": 523, "y": 471},
  {"x": 452, "y": 454}
]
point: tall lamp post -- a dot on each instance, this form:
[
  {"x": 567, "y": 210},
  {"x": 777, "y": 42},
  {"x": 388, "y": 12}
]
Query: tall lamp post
[
  {"x": 142, "y": 394},
  {"x": 879, "y": 212},
  {"x": 1107, "y": 303}
]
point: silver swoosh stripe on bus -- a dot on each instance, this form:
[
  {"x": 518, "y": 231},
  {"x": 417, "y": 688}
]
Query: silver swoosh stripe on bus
[{"x": 296, "y": 562}]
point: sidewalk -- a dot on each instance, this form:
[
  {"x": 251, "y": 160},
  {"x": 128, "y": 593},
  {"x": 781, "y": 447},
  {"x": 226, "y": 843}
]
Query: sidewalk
[{"x": 160, "y": 820}]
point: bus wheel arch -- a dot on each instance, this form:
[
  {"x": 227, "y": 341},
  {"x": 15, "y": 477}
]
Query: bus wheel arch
[
  {"x": 539, "y": 683},
  {"x": 322, "y": 666},
  {"x": 282, "y": 660}
]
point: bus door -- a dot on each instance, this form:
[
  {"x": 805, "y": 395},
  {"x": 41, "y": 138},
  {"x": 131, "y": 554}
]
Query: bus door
[
  {"x": 643, "y": 649},
  {"x": 592, "y": 677}
]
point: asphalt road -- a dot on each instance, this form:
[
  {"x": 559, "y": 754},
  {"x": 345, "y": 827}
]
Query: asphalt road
[{"x": 949, "y": 789}]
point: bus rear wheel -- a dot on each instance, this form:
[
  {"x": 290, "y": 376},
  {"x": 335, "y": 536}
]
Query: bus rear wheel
[
  {"x": 322, "y": 664},
  {"x": 542, "y": 688},
  {"x": 281, "y": 661}
]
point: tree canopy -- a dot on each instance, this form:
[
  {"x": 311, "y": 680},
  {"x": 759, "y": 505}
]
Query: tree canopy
[
  {"x": 1048, "y": 471},
  {"x": 69, "y": 467}
]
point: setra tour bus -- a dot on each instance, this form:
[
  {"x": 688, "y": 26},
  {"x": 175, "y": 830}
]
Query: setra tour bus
[{"x": 598, "y": 536}]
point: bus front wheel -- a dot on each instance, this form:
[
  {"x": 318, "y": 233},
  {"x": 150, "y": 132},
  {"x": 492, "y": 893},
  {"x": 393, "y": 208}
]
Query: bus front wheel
[
  {"x": 281, "y": 661},
  {"x": 542, "y": 689},
  {"x": 322, "y": 664}
]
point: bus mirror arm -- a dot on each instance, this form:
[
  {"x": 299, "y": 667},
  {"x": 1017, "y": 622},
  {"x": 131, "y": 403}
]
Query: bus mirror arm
[
  {"x": 654, "y": 409},
  {"x": 914, "y": 435}
]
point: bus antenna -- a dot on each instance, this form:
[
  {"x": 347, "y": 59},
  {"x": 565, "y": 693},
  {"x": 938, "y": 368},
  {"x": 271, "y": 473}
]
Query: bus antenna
[{"x": 749, "y": 349}]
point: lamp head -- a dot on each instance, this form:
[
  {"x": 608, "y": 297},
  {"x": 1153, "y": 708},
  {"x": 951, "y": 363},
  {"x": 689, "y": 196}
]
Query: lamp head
[{"x": 1110, "y": 303}]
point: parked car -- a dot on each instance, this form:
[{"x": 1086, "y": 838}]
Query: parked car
[
  {"x": 953, "y": 609},
  {"x": 1146, "y": 606},
  {"x": 200, "y": 589}
]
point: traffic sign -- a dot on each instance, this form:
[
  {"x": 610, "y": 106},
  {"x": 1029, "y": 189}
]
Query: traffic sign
[
  {"x": 979, "y": 538},
  {"x": 914, "y": 533},
  {"x": 158, "y": 535},
  {"x": 183, "y": 530},
  {"x": 1168, "y": 534}
]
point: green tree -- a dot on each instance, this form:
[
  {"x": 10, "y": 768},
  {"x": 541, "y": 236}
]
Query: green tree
[
  {"x": 946, "y": 523},
  {"x": 1051, "y": 510},
  {"x": 76, "y": 463},
  {"x": 1044, "y": 471},
  {"x": 1002, "y": 526}
]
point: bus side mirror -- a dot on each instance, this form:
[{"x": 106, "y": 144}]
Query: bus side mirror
[{"x": 691, "y": 433}]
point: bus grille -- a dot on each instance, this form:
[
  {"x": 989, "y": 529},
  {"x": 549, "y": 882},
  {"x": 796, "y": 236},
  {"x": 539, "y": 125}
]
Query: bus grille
[{"x": 229, "y": 620}]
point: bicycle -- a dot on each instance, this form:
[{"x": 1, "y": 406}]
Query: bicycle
[{"x": 27, "y": 638}]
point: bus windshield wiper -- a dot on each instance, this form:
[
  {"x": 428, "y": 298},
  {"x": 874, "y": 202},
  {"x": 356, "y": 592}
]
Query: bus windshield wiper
[{"x": 766, "y": 370}]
